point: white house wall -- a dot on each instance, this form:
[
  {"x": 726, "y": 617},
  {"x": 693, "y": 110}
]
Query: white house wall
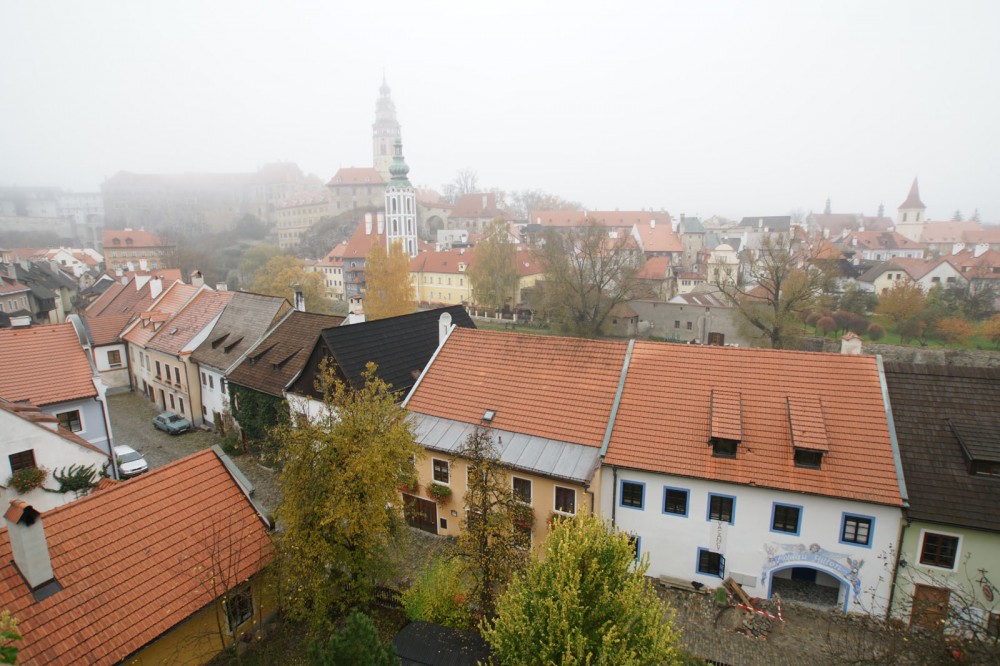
[
  {"x": 92, "y": 425},
  {"x": 213, "y": 400},
  {"x": 113, "y": 376},
  {"x": 753, "y": 552}
]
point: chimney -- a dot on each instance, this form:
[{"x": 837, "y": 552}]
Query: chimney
[
  {"x": 368, "y": 224},
  {"x": 444, "y": 327},
  {"x": 221, "y": 286},
  {"x": 197, "y": 279},
  {"x": 652, "y": 224},
  {"x": 486, "y": 201},
  {"x": 28, "y": 545},
  {"x": 300, "y": 299},
  {"x": 143, "y": 265},
  {"x": 155, "y": 287},
  {"x": 850, "y": 345}
]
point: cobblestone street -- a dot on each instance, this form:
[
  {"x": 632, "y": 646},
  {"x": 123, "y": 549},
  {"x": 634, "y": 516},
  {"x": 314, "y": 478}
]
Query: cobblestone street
[{"x": 132, "y": 424}]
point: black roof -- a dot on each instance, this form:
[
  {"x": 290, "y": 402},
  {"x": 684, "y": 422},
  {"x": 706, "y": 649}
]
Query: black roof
[
  {"x": 425, "y": 644},
  {"x": 937, "y": 410},
  {"x": 400, "y": 346},
  {"x": 773, "y": 222}
]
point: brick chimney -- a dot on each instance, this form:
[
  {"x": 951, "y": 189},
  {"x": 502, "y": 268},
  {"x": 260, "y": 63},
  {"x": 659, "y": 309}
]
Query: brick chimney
[
  {"x": 850, "y": 345},
  {"x": 28, "y": 545}
]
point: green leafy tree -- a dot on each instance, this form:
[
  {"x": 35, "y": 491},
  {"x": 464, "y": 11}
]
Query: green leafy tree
[
  {"x": 356, "y": 644},
  {"x": 902, "y": 302},
  {"x": 258, "y": 414},
  {"x": 8, "y": 636},
  {"x": 253, "y": 259},
  {"x": 441, "y": 595},
  {"x": 857, "y": 300},
  {"x": 586, "y": 601},
  {"x": 782, "y": 282},
  {"x": 281, "y": 274},
  {"x": 388, "y": 290},
  {"x": 493, "y": 275},
  {"x": 339, "y": 503},
  {"x": 493, "y": 548},
  {"x": 587, "y": 273}
]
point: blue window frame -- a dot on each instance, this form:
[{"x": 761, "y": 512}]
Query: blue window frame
[
  {"x": 721, "y": 507},
  {"x": 631, "y": 494},
  {"x": 711, "y": 563},
  {"x": 676, "y": 501},
  {"x": 636, "y": 542},
  {"x": 856, "y": 529},
  {"x": 786, "y": 518}
]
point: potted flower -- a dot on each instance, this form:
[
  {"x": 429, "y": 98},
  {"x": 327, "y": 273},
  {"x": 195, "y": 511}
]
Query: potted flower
[
  {"x": 409, "y": 486},
  {"x": 438, "y": 493},
  {"x": 27, "y": 479},
  {"x": 524, "y": 517}
]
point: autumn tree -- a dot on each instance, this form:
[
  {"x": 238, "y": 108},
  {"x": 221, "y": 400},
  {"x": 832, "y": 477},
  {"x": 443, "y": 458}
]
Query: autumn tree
[
  {"x": 281, "y": 274},
  {"x": 339, "y": 503},
  {"x": 781, "y": 282},
  {"x": 491, "y": 543},
  {"x": 588, "y": 271},
  {"x": 955, "y": 330},
  {"x": 388, "y": 290},
  {"x": 520, "y": 203},
  {"x": 991, "y": 329},
  {"x": 253, "y": 259},
  {"x": 585, "y": 601},
  {"x": 902, "y": 302},
  {"x": 493, "y": 275},
  {"x": 8, "y": 636}
]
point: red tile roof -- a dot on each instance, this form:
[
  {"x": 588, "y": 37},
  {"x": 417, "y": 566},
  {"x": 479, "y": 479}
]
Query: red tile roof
[
  {"x": 663, "y": 422},
  {"x": 130, "y": 238},
  {"x": 356, "y": 176},
  {"x": 554, "y": 387},
  {"x": 610, "y": 218},
  {"x": 476, "y": 205},
  {"x": 162, "y": 309},
  {"x": 655, "y": 268},
  {"x": 105, "y": 330},
  {"x": 880, "y": 239},
  {"x": 952, "y": 231},
  {"x": 44, "y": 365},
  {"x": 9, "y": 285},
  {"x": 913, "y": 198},
  {"x": 189, "y": 322},
  {"x": 134, "y": 561},
  {"x": 659, "y": 238}
]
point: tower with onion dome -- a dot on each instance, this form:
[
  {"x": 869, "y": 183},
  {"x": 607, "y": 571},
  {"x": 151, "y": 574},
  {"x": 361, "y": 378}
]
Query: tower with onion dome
[{"x": 400, "y": 204}]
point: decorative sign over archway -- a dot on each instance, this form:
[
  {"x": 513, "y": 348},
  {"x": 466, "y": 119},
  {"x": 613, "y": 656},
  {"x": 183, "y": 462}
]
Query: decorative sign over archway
[{"x": 781, "y": 555}]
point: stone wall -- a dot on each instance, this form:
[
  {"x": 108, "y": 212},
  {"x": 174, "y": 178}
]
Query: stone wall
[{"x": 981, "y": 358}]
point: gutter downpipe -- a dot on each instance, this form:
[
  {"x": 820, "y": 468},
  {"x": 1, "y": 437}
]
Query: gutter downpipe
[
  {"x": 611, "y": 426},
  {"x": 899, "y": 476}
]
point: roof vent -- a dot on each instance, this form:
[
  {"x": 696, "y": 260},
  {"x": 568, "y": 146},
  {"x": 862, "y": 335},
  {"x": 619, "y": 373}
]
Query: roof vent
[{"x": 488, "y": 415}]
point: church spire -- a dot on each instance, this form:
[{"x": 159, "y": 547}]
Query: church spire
[
  {"x": 385, "y": 130},
  {"x": 913, "y": 198}
]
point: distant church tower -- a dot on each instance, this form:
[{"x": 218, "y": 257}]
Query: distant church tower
[
  {"x": 910, "y": 216},
  {"x": 400, "y": 204},
  {"x": 385, "y": 131}
]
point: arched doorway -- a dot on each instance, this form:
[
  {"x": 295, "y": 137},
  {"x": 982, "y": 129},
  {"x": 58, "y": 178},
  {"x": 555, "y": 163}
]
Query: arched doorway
[{"x": 810, "y": 585}]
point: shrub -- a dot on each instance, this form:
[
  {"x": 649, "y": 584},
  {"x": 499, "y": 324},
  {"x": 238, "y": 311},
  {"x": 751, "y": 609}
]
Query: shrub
[
  {"x": 27, "y": 479},
  {"x": 876, "y": 332},
  {"x": 440, "y": 595},
  {"x": 438, "y": 493},
  {"x": 356, "y": 644},
  {"x": 813, "y": 317},
  {"x": 826, "y": 324},
  {"x": 955, "y": 330}
]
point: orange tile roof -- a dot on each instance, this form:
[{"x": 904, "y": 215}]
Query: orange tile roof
[
  {"x": 104, "y": 299},
  {"x": 138, "y": 238},
  {"x": 654, "y": 268},
  {"x": 134, "y": 561},
  {"x": 660, "y": 238},
  {"x": 165, "y": 306},
  {"x": 952, "y": 231},
  {"x": 476, "y": 205},
  {"x": 989, "y": 234},
  {"x": 663, "y": 422},
  {"x": 610, "y": 218},
  {"x": 554, "y": 387},
  {"x": 44, "y": 364},
  {"x": 106, "y": 329},
  {"x": 9, "y": 285},
  {"x": 356, "y": 176},
  {"x": 189, "y": 321}
]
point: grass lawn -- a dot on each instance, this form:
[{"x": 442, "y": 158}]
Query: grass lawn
[{"x": 892, "y": 338}]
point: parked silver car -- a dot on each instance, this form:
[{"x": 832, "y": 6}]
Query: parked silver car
[
  {"x": 130, "y": 462},
  {"x": 171, "y": 423}
]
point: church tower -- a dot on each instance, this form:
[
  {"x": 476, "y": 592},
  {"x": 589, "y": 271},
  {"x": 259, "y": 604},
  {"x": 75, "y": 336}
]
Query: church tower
[
  {"x": 910, "y": 215},
  {"x": 400, "y": 204},
  {"x": 385, "y": 131}
]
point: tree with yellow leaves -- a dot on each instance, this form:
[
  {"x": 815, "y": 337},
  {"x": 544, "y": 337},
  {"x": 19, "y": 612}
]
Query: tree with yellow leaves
[
  {"x": 388, "y": 290},
  {"x": 279, "y": 276}
]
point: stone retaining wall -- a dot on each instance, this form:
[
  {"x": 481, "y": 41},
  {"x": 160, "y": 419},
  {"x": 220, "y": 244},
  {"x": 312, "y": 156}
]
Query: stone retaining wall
[{"x": 981, "y": 358}]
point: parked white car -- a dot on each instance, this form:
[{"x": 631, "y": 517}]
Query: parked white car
[{"x": 130, "y": 462}]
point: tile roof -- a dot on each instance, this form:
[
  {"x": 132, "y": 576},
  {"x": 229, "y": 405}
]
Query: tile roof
[
  {"x": 547, "y": 386},
  {"x": 130, "y": 238},
  {"x": 9, "y": 285},
  {"x": 654, "y": 268},
  {"x": 310, "y": 198},
  {"x": 133, "y": 562},
  {"x": 101, "y": 302},
  {"x": 918, "y": 268},
  {"x": 664, "y": 419},
  {"x": 988, "y": 234},
  {"x": 189, "y": 321},
  {"x": 44, "y": 365},
  {"x": 773, "y": 222},
  {"x": 245, "y": 319},
  {"x": 356, "y": 176},
  {"x": 161, "y": 310},
  {"x": 659, "y": 237},
  {"x": 610, "y": 218},
  {"x": 275, "y": 359},
  {"x": 105, "y": 330},
  {"x": 476, "y": 205},
  {"x": 913, "y": 198},
  {"x": 874, "y": 240},
  {"x": 952, "y": 231},
  {"x": 924, "y": 399},
  {"x": 32, "y": 414},
  {"x": 400, "y": 347}
]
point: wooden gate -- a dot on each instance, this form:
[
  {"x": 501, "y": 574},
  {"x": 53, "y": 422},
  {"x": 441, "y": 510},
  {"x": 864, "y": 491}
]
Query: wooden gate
[
  {"x": 420, "y": 513},
  {"x": 930, "y": 607}
]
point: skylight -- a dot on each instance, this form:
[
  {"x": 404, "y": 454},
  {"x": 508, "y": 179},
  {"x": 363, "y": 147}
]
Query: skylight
[{"x": 488, "y": 415}]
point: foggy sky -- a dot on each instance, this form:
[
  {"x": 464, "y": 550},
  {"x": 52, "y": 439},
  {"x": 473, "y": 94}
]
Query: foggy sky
[{"x": 748, "y": 108}]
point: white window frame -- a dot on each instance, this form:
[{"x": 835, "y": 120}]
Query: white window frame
[
  {"x": 555, "y": 497},
  {"x": 447, "y": 465}
]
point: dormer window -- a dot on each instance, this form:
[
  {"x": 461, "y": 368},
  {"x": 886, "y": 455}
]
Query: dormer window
[
  {"x": 726, "y": 422},
  {"x": 808, "y": 459},
  {"x": 979, "y": 445},
  {"x": 724, "y": 448},
  {"x": 808, "y": 430}
]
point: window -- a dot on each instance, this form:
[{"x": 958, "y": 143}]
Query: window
[
  {"x": 632, "y": 494},
  {"x": 711, "y": 564},
  {"x": 985, "y": 468},
  {"x": 689, "y": 325},
  {"x": 856, "y": 530},
  {"x": 166, "y": 371},
  {"x": 785, "y": 518},
  {"x": 808, "y": 459},
  {"x": 180, "y": 405},
  {"x": 677, "y": 323},
  {"x": 114, "y": 358},
  {"x": 172, "y": 406},
  {"x": 565, "y": 500},
  {"x": 239, "y": 607},
  {"x": 222, "y": 386},
  {"x": 211, "y": 382},
  {"x": 22, "y": 460},
  {"x": 634, "y": 540},
  {"x": 939, "y": 550},
  {"x": 522, "y": 490},
  {"x": 720, "y": 507},
  {"x": 675, "y": 501},
  {"x": 177, "y": 375},
  {"x": 157, "y": 368},
  {"x": 204, "y": 381},
  {"x": 441, "y": 472},
  {"x": 70, "y": 420},
  {"x": 724, "y": 448}
]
